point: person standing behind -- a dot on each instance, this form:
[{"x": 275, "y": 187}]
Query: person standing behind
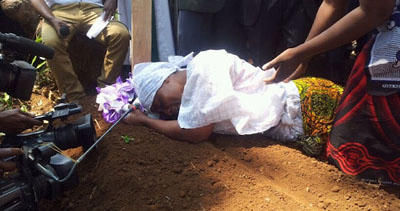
[
  {"x": 253, "y": 30},
  {"x": 79, "y": 16},
  {"x": 364, "y": 140}
]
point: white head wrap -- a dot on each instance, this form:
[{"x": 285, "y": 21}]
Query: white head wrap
[{"x": 148, "y": 77}]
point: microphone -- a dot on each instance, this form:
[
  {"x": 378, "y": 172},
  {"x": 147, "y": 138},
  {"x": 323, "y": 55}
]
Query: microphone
[
  {"x": 64, "y": 30},
  {"x": 23, "y": 45}
]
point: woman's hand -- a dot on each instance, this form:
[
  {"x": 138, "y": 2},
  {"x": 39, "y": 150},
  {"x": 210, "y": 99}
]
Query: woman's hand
[
  {"x": 136, "y": 117},
  {"x": 289, "y": 66}
]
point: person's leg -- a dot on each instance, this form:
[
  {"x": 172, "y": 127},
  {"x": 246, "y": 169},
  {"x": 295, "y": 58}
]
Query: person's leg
[
  {"x": 60, "y": 65},
  {"x": 227, "y": 32},
  {"x": 115, "y": 36},
  {"x": 296, "y": 24},
  {"x": 116, "y": 39},
  {"x": 198, "y": 31},
  {"x": 194, "y": 32},
  {"x": 264, "y": 35}
]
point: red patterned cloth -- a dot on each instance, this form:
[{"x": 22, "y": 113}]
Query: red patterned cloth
[{"x": 365, "y": 137}]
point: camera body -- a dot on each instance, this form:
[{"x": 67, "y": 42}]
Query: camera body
[
  {"x": 24, "y": 189},
  {"x": 41, "y": 166}
]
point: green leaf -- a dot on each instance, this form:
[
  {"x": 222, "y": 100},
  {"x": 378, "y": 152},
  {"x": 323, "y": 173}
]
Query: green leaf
[
  {"x": 38, "y": 39},
  {"x": 127, "y": 139},
  {"x": 41, "y": 65},
  {"x": 6, "y": 97},
  {"x": 33, "y": 60},
  {"x": 24, "y": 108}
]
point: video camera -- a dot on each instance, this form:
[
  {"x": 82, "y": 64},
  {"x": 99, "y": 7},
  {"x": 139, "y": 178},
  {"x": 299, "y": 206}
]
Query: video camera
[
  {"x": 42, "y": 171},
  {"x": 41, "y": 167},
  {"x": 18, "y": 77}
]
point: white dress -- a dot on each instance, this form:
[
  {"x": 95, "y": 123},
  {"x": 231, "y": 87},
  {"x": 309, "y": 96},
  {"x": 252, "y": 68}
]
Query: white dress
[{"x": 223, "y": 89}]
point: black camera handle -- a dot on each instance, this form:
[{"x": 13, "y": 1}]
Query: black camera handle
[
  {"x": 61, "y": 111},
  {"x": 134, "y": 107}
]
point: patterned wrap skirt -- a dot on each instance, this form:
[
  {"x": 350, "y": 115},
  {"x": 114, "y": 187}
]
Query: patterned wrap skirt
[
  {"x": 319, "y": 100},
  {"x": 365, "y": 137}
]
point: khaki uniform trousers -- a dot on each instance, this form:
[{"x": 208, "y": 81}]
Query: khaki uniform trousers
[{"x": 80, "y": 17}]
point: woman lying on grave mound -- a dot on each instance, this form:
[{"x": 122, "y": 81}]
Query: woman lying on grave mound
[{"x": 218, "y": 92}]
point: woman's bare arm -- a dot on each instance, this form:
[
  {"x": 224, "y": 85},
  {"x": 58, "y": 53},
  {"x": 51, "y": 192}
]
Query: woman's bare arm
[
  {"x": 329, "y": 12},
  {"x": 170, "y": 128},
  {"x": 369, "y": 15}
]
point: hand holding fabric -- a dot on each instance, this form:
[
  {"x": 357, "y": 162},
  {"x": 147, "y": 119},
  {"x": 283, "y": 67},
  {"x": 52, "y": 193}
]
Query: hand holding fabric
[{"x": 289, "y": 66}]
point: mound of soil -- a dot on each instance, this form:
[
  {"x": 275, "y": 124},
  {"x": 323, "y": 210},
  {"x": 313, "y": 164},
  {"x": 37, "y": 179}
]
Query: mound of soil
[{"x": 153, "y": 172}]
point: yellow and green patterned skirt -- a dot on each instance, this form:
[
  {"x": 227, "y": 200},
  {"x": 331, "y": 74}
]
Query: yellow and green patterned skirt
[{"x": 319, "y": 99}]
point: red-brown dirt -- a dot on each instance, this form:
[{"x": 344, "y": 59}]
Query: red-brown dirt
[{"x": 153, "y": 172}]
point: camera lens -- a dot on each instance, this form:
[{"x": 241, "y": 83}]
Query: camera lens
[
  {"x": 17, "y": 79},
  {"x": 80, "y": 133},
  {"x": 7, "y": 76}
]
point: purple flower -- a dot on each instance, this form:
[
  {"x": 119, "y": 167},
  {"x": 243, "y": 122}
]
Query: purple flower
[{"x": 114, "y": 98}]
